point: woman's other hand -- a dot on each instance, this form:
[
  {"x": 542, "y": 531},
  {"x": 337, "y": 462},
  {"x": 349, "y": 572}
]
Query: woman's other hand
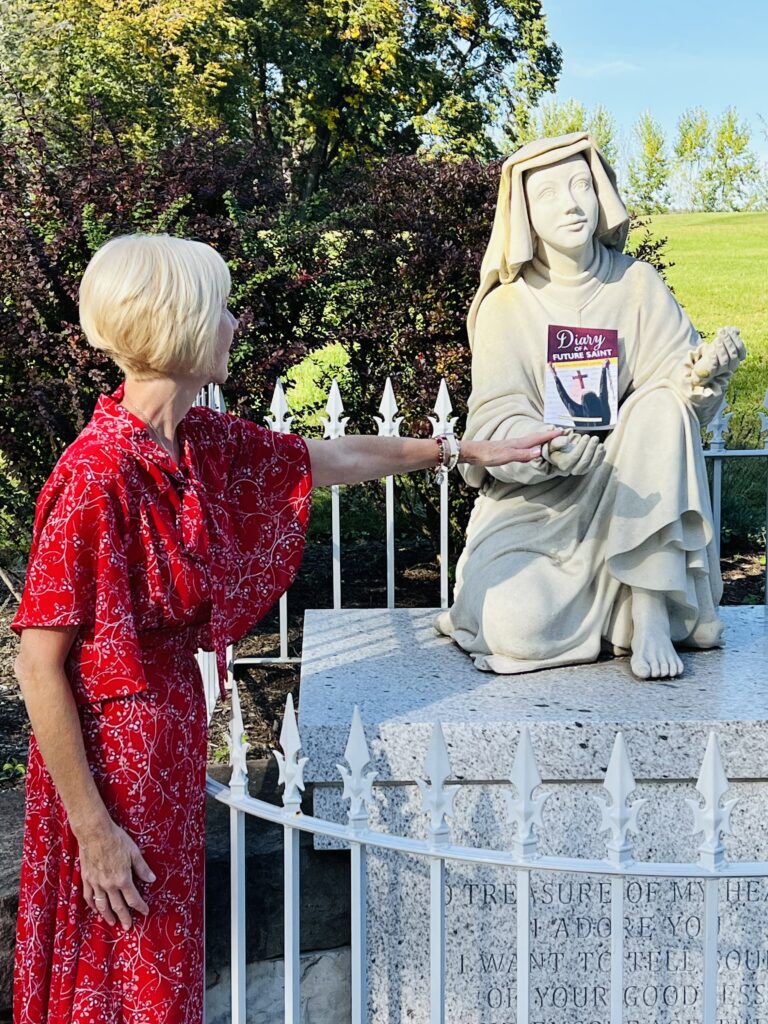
[
  {"x": 499, "y": 453},
  {"x": 108, "y": 860}
]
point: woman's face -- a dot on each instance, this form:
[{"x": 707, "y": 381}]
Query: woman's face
[
  {"x": 227, "y": 327},
  {"x": 562, "y": 204}
]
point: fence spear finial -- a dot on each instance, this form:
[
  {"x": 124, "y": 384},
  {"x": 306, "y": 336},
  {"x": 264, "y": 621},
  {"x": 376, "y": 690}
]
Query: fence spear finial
[
  {"x": 711, "y": 818},
  {"x": 358, "y": 783},
  {"x": 525, "y": 810},
  {"x": 280, "y": 420},
  {"x": 335, "y": 424},
  {"x": 290, "y": 764},
  {"x": 436, "y": 796},
  {"x": 389, "y": 422},
  {"x": 238, "y": 745},
  {"x": 442, "y": 422},
  {"x": 618, "y": 816},
  {"x": 719, "y": 427}
]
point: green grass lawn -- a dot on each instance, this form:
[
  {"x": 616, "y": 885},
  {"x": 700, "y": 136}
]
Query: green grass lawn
[{"x": 720, "y": 276}]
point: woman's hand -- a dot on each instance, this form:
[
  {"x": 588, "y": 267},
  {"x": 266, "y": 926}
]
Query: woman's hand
[
  {"x": 499, "y": 453},
  {"x": 108, "y": 860}
]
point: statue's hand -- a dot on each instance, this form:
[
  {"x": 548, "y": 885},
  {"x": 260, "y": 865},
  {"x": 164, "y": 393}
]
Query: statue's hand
[
  {"x": 574, "y": 454},
  {"x": 720, "y": 357}
]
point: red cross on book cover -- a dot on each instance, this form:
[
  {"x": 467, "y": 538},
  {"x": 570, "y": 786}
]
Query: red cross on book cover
[{"x": 582, "y": 377}]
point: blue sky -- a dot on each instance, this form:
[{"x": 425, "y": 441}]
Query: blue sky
[{"x": 664, "y": 57}]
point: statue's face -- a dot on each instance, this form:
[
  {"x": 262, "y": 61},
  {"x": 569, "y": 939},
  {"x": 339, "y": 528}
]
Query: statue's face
[{"x": 562, "y": 204}]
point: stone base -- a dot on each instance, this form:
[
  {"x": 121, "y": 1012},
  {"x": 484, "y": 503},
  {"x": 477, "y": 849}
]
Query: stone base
[
  {"x": 404, "y": 678},
  {"x": 325, "y": 881},
  {"x": 325, "y": 991}
]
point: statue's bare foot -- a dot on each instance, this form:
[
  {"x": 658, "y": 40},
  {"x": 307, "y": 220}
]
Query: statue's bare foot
[{"x": 653, "y": 655}]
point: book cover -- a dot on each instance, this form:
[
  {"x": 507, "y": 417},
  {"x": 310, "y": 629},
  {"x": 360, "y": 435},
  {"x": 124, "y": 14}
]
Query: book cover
[{"x": 582, "y": 377}]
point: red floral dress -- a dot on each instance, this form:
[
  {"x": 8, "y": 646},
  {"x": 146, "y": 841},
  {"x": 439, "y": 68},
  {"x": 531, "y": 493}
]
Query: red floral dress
[{"x": 151, "y": 560}]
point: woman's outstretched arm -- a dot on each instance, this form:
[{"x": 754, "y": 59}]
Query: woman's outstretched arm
[{"x": 350, "y": 460}]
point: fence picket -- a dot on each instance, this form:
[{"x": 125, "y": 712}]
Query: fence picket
[
  {"x": 619, "y": 819},
  {"x": 437, "y": 799},
  {"x": 238, "y": 787},
  {"x": 712, "y": 819},
  {"x": 525, "y": 812},
  {"x": 292, "y": 778},
  {"x": 358, "y": 790},
  {"x": 280, "y": 422},
  {"x": 335, "y": 426},
  {"x": 389, "y": 426},
  {"x": 443, "y": 423}
]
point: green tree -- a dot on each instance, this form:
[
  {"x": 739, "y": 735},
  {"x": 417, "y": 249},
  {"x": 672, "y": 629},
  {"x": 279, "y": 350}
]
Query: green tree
[
  {"x": 692, "y": 146},
  {"x": 153, "y": 69},
  {"x": 731, "y": 172},
  {"x": 602, "y": 127},
  {"x": 561, "y": 118},
  {"x": 693, "y": 136},
  {"x": 322, "y": 80},
  {"x": 648, "y": 172}
]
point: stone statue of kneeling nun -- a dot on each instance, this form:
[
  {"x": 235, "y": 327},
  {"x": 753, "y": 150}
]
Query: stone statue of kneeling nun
[{"x": 606, "y": 541}]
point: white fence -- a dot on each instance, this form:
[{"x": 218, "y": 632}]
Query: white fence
[{"x": 710, "y": 819}]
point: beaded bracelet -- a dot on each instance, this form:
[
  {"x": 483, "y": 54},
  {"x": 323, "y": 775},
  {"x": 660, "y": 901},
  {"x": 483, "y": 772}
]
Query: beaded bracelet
[{"x": 448, "y": 454}]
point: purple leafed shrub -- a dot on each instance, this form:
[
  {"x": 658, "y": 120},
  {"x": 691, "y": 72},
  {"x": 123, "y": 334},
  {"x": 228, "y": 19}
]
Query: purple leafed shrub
[{"x": 55, "y": 214}]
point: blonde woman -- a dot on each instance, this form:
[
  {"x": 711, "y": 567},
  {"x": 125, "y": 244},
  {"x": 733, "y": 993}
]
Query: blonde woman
[{"x": 163, "y": 528}]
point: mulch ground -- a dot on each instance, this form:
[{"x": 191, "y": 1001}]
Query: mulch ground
[{"x": 263, "y": 689}]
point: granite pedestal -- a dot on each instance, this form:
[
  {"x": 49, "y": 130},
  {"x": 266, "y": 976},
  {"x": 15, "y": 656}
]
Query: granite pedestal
[{"x": 404, "y": 678}]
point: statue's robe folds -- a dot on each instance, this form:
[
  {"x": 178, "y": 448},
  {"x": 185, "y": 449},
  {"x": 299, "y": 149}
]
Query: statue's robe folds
[{"x": 549, "y": 561}]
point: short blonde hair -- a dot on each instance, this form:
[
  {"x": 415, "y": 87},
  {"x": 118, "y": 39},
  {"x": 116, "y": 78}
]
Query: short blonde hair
[{"x": 153, "y": 303}]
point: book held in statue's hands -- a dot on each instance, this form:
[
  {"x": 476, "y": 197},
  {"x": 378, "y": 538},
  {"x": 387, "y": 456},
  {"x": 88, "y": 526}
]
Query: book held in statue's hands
[{"x": 581, "y": 390}]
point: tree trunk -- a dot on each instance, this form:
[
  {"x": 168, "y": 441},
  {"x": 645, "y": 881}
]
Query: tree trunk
[{"x": 317, "y": 162}]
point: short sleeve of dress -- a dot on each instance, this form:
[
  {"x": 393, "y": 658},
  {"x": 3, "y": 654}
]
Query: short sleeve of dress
[
  {"x": 268, "y": 497},
  {"x": 77, "y": 575},
  {"x": 75, "y": 534}
]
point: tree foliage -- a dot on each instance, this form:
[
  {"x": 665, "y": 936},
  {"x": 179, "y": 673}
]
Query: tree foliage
[
  {"x": 730, "y": 171},
  {"x": 718, "y": 167},
  {"x": 561, "y": 118},
  {"x": 648, "y": 172},
  {"x": 151, "y": 69},
  {"x": 320, "y": 80}
]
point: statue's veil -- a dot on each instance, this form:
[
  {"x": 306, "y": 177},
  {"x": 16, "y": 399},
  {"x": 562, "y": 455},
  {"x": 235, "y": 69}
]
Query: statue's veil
[{"x": 512, "y": 242}]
